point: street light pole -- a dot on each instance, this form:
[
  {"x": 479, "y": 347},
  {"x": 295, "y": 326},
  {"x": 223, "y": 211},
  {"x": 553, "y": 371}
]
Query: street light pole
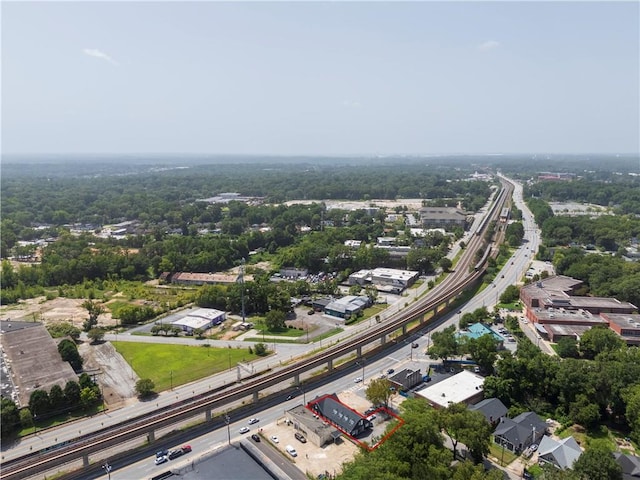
[
  {"x": 107, "y": 468},
  {"x": 227, "y": 420}
]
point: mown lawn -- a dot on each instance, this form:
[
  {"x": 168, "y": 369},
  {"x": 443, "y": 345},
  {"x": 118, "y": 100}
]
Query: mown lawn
[{"x": 173, "y": 365}]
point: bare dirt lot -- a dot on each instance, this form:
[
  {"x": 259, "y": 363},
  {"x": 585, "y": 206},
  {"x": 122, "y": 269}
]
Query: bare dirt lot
[
  {"x": 51, "y": 311},
  {"x": 116, "y": 378}
]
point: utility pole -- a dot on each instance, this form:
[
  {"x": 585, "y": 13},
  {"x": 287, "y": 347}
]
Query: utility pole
[
  {"x": 242, "y": 289},
  {"x": 227, "y": 420}
]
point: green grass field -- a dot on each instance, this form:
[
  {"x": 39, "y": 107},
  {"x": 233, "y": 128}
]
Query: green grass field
[{"x": 173, "y": 365}]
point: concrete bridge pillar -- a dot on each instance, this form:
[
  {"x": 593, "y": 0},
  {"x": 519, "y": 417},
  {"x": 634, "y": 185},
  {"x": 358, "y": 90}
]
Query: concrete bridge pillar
[
  {"x": 359, "y": 350},
  {"x": 383, "y": 339},
  {"x": 296, "y": 379},
  {"x": 404, "y": 330},
  {"x": 255, "y": 397},
  {"x": 151, "y": 436},
  {"x": 85, "y": 460},
  {"x": 207, "y": 415},
  {"x": 330, "y": 365}
]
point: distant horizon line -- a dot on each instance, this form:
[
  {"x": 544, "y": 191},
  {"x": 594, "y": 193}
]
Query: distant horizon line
[{"x": 330, "y": 155}]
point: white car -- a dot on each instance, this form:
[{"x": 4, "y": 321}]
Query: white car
[
  {"x": 291, "y": 451},
  {"x": 253, "y": 420},
  {"x": 161, "y": 459},
  {"x": 274, "y": 439},
  {"x": 357, "y": 380},
  {"x": 244, "y": 429}
]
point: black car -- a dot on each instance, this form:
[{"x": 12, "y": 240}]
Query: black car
[
  {"x": 255, "y": 437},
  {"x": 390, "y": 371},
  {"x": 175, "y": 453},
  {"x": 414, "y": 345},
  {"x": 300, "y": 437},
  {"x": 162, "y": 453}
]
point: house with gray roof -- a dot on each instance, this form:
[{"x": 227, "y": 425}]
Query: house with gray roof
[
  {"x": 561, "y": 454},
  {"x": 492, "y": 409},
  {"x": 630, "y": 465},
  {"x": 348, "y": 421},
  {"x": 518, "y": 433}
]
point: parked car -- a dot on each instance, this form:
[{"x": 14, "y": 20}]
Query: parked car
[
  {"x": 274, "y": 439},
  {"x": 162, "y": 453},
  {"x": 291, "y": 451},
  {"x": 162, "y": 459},
  {"x": 244, "y": 429},
  {"x": 253, "y": 420},
  {"x": 255, "y": 437},
  {"x": 390, "y": 371},
  {"x": 300, "y": 437},
  {"x": 186, "y": 448},
  {"x": 414, "y": 345}
]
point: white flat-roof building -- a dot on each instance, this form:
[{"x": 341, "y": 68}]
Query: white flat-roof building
[
  {"x": 465, "y": 387},
  {"x": 384, "y": 276},
  {"x": 202, "y": 318}
]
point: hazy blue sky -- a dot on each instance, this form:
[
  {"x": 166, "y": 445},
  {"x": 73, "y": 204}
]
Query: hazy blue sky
[{"x": 320, "y": 78}]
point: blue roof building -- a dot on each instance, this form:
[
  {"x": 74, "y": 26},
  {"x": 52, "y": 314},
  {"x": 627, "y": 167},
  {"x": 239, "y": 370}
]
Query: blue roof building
[{"x": 477, "y": 330}]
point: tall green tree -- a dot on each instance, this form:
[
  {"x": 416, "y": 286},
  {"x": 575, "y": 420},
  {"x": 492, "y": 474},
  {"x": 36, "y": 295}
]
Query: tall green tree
[
  {"x": 597, "y": 463},
  {"x": 274, "y": 320},
  {"x": 599, "y": 339},
  {"x": 444, "y": 344},
  {"x": 466, "y": 426},
  {"x": 9, "y": 417},
  {"x": 378, "y": 392},
  {"x": 94, "y": 309}
]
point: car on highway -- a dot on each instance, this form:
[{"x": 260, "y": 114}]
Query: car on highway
[
  {"x": 414, "y": 345},
  {"x": 162, "y": 453},
  {"x": 244, "y": 429},
  {"x": 162, "y": 459},
  {"x": 390, "y": 371},
  {"x": 274, "y": 439},
  {"x": 254, "y": 420},
  {"x": 255, "y": 437},
  {"x": 175, "y": 453},
  {"x": 357, "y": 380},
  {"x": 186, "y": 448}
]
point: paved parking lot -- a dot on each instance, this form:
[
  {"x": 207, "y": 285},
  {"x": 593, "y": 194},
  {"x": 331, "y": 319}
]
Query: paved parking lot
[{"x": 311, "y": 458}]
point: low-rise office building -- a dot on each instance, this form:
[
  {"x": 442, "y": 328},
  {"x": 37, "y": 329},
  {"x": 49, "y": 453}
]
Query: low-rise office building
[
  {"x": 465, "y": 387},
  {"x": 443, "y": 217}
]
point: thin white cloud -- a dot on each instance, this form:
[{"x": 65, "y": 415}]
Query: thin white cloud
[
  {"x": 488, "y": 45},
  {"x": 94, "y": 52},
  {"x": 350, "y": 104}
]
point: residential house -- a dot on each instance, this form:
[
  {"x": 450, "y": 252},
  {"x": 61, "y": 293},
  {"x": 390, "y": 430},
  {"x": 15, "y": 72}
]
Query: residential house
[
  {"x": 492, "y": 409},
  {"x": 518, "y": 433},
  {"x": 630, "y": 465},
  {"x": 561, "y": 454}
]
